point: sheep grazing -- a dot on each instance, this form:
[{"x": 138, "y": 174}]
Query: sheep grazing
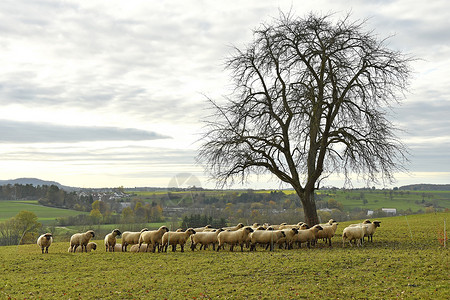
[
  {"x": 205, "y": 239},
  {"x": 308, "y": 236},
  {"x": 353, "y": 233},
  {"x": 329, "y": 229},
  {"x": 264, "y": 237},
  {"x": 289, "y": 226},
  {"x": 44, "y": 241},
  {"x": 90, "y": 246},
  {"x": 234, "y": 228},
  {"x": 176, "y": 238},
  {"x": 110, "y": 240},
  {"x": 153, "y": 237},
  {"x": 131, "y": 238},
  {"x": 232, "y": 238},
  {"x": 202, "y": 229},
  {"x": 81, "y": 239}
]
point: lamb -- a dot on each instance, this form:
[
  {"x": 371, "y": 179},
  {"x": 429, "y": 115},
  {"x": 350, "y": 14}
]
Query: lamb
[
  {"x": 118, "y": 248},
  {"x": 264, "y": 237},
  {"x": 44, "y": 241},
  {"x": 202, "y": 229},
  {"x": 205, "y": 239},
  {"x": 308, "y": 235},
  {"x": 232, "y": 238},
  {"x": 81, "y": 239},
  {"x": 234, "y": 228},
  {"x": 153, "y": 237},
  {"x": 90, "y": 246},
  {"x": 329, "y": 229},
  {"x": 175, "y": 238},
  {"x": 131, "y": 238},
  {"x": 110, "y": 240},
  {"x": 351, "y": 233}
]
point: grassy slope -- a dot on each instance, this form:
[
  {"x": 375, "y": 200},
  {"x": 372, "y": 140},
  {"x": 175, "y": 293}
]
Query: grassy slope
[
  {"x": 406, "y": 260},
  {"x": 45, "y": 214}
]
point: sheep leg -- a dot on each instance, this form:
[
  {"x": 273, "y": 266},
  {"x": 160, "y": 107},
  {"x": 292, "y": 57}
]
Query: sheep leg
[
  {"x": 46, "y": 250},
  {"x": 174, "y": 248},
  {"x": 193, "y": 247},
  {"x": 182, "y": 247}
]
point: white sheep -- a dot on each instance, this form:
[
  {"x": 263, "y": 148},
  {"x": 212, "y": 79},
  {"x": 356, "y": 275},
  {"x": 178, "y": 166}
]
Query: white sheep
[
  {"x": 110, "y": 240},
  {"x": 329, "y": 229},
  {"x": 81, "y": 239},
  {"x": 176, "y": 238},
  {"x": 353, "y": 233},
  {"x": 90, "y": 246},
  {"x": 205, "y": 239},
  {"x": 265, "y": 237},
  {"x": 371, "y": 227},
  {"x": 131, "y": 238},
  {"x": 135, "y": 248},
  {"x": 153, "y": 237},
  {"x": 308, "y": 236},
  {"x": 234, "y": 228},
  {"x": 232, "y": 238},
  {"x": 44, "y": 241},
  {"x": 289, "y": 237},
  {"x": 118, "y": 248}
]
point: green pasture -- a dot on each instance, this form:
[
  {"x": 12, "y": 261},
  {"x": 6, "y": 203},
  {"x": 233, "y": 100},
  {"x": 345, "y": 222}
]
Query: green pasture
[
  {"x": 407, "y": 260},
  {"x": 45, "y": 214}
]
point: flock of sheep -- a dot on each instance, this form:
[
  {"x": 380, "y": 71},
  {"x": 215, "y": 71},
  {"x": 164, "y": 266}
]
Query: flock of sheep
[{"x": 284, "y": 235}]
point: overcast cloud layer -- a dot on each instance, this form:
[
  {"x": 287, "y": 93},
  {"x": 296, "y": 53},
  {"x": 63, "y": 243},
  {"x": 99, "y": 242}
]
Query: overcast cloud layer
[{"x": 109, "y": 93}]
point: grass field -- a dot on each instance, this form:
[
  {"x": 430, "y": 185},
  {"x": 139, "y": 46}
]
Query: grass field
[
  {"x": 45, "y": 214},
  {"x": 407, "y": 260}
]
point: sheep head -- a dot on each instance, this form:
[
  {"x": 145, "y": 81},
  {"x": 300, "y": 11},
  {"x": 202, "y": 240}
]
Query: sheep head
[
  {"x": 190, "y": 231},
  {"x": 295, "y": 230},
  {"x": 117, "y": 232},
  {"x": 377, "y": 223},
  {"x": 91, "y": 232},
  {"x": 48, "y": 236},
  {"x": 144, "y": 229}
]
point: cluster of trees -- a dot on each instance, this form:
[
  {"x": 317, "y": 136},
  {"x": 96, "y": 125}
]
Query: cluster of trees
[
  {"x": 141, "y": 212},
  {"x": 198, "y": 220},
  {"x": 20, "y": 229}
]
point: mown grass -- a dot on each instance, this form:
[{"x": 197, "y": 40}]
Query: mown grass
[
  {"x": 45, "y": 214},
  {"x": 406, "y": 261}
]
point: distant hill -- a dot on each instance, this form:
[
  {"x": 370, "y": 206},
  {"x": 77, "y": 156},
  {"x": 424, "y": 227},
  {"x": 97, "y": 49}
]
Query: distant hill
[
  {"x": 425, "y": 187},
  {"x": 36, "y": 182}
]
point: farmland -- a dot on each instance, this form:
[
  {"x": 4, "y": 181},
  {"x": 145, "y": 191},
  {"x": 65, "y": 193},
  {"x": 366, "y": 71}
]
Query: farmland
[
  {"x": 45, "y": 214},
  {"x": 406, "y": 260}
]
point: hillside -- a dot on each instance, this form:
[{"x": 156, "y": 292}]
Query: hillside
[
  {"x": 425, "y": 187},
  {"x": 36, "y": 182}
]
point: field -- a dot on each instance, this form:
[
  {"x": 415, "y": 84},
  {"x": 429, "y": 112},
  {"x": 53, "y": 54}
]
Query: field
[
  {"x": 407, "y": 260},
  {"x": 45, "y": 214}
]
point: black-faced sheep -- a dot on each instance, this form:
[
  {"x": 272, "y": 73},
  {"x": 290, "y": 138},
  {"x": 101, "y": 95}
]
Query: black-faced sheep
[
  {"x": 176, "y": 238},
  {"x": 110, "y": 240},
  {"x": 44, "y": 241},
  {"x": 81, "y": 239},
  {"x": 205, "y": 239},
  {"x": 371, "y": 228},
  {"x": 131, "y": 238},
  {"x": 329, "y": 229},
  {"x": 233, "y": 238},
  {"x": 234, "y": 228},
  {"x": 265, "y": 237},
  {"x": 308, "y": 236},
  {"x": 90, "y": 246},
  {"x": 153, "y": 237},
  {"x": 353, "y": 233}
]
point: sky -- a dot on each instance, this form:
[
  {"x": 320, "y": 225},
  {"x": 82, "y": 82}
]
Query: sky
[{"x": 113, "y": 93}]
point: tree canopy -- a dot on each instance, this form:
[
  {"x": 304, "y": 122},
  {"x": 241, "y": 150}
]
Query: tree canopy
[{"x": 311, "y": 98}]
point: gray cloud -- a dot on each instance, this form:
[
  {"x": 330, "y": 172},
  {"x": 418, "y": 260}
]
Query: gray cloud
[{"x": 31, "y": 132}]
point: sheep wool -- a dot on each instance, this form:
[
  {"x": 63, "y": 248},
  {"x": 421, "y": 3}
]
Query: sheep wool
[{"x": 44, "y": 241}]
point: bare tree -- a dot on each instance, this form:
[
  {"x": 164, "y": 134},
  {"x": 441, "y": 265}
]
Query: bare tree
[{"x": 311, "y": 98}]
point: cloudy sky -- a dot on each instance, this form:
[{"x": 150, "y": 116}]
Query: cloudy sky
[{"x": 112, "y": 93}]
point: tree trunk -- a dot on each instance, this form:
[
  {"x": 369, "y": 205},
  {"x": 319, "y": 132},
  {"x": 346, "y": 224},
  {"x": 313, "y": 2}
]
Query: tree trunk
[{"x": 309, "y": 208}]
